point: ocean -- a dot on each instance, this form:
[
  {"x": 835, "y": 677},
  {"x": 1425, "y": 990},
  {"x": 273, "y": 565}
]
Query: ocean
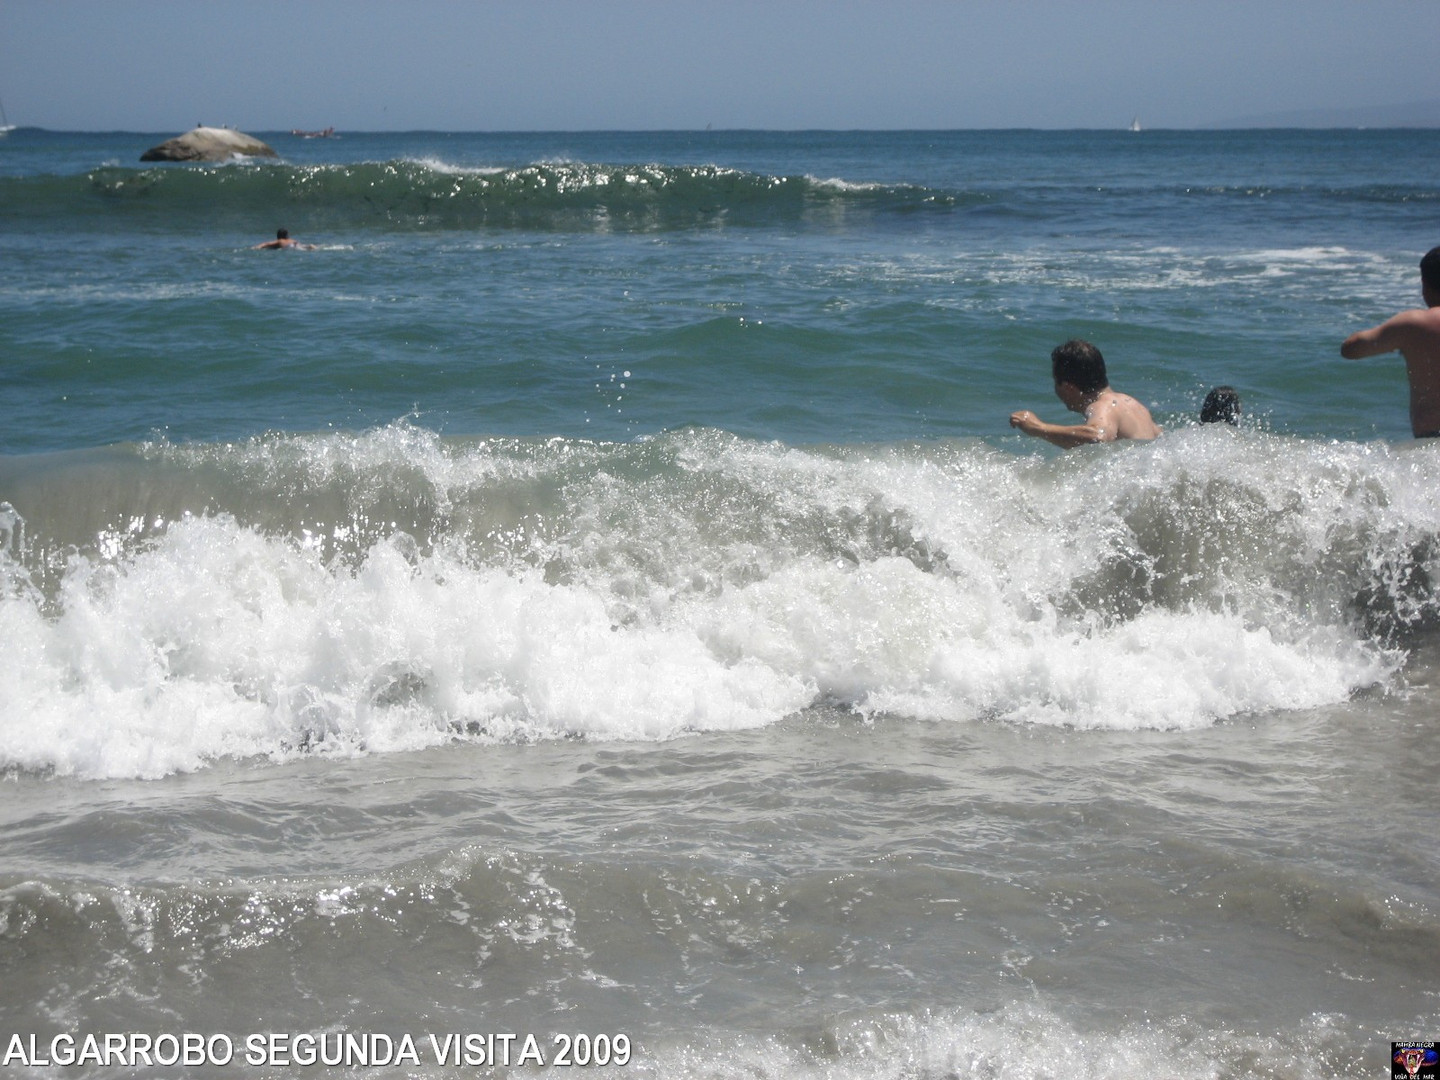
[{"x": 589, "y": 608}]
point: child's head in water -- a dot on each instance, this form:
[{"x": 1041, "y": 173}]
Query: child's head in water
[{"x": 1221, "y": 404}]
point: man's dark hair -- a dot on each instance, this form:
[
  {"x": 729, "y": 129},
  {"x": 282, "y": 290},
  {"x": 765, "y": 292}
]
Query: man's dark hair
[
  {"x": 282, "y": 234},
  {"x": 1430, "y": 269},
  {"x": 1221, "y": 404},
  {"x": 1080, "y": 364}
]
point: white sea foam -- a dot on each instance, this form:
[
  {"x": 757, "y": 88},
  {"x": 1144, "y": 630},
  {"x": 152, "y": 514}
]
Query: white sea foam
[
  {"x": 1160, "y": 268},
  {"x": 835, "y": 183},
  {"x": 1017, "y": 1039},
  {"x": 446, "y": 168},
  {"x": 699, "y": 583}
]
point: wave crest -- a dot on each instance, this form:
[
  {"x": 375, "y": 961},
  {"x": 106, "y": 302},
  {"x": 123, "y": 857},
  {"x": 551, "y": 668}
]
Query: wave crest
[
  {"x": 430, "y": 194},
  {"x": 386, "y": 591}
]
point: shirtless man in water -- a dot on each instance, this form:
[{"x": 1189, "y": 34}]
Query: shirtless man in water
[
  {"x": 282, "y": 240},
  {"x": 1081, "y": 383},
  {"x": 1416, "y": 334}
]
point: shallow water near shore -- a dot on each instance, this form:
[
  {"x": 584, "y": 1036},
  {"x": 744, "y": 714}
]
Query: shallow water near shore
[{"x": 902, "y": 896}]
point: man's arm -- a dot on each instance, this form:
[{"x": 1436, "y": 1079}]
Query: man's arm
[
  {"x": 1065, "y": 436},
  {"x": 1390, "y": 335}
]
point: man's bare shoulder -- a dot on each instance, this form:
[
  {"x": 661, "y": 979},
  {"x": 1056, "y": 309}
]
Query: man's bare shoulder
[
  {"x": 1420, "y": 316},
  {"x": 1427, "y": 318},
  {"x": 1114, "y": 401},
  {"x": 1120, "y": 416},
  {"x": 1133, "y": 419},
  {"x": 1416, "y": 332}
]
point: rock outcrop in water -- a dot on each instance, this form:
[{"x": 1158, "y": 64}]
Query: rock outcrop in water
[{"x": 208, "y": 144}]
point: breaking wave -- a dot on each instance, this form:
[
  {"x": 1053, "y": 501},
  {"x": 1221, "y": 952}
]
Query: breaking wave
[{"x": 167, "y": 605}]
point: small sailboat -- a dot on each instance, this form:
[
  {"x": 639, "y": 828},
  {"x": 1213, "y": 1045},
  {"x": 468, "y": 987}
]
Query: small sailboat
[
  {"x": 5, "y": 126},
  {"x": 1135, "y": 124}
]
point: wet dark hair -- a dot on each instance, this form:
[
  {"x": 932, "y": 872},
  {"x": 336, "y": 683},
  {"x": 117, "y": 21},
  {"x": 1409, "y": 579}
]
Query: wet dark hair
[
  {"x": 1221, "y": 404},
  {"x": 1080, "y": 364},
  {"x": 282, "y": 234},
  {"x": 1430, "y": 268}
]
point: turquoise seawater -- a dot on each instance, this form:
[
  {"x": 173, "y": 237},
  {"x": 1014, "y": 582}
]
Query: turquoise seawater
[
  {"x": 809, "y": 287},
  {"x": 594, "y": 593}
]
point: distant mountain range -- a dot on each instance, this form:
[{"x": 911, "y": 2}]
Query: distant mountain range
[{"x": 1416, "y": 114}]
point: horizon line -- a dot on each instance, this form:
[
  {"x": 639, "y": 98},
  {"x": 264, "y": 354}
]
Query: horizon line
[{"x": 708, "y": 130}]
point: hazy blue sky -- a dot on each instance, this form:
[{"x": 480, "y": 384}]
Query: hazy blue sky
[{"x": 163, "y": 65}]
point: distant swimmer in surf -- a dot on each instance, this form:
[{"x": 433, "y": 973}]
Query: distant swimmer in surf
[
  {"x": 282, "y": 240},
  {"x": 1222, "y": 405},
  {"x": 1081, "y": 383},
  {"x": 1416, "y": 335}
]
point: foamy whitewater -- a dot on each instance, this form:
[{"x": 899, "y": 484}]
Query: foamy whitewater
[
  {"x": 591, "y": 609},
  {"x": 392, "y": 591}
]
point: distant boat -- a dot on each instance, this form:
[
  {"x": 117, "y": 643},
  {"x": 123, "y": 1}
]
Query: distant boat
[
  {"x": 5, "y": 126},
  {"x": 1135, "y": 124},
  {"x": 328, "y": 133}
]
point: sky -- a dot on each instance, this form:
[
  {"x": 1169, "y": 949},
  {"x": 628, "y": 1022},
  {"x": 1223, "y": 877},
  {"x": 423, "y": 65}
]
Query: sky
[{"x": 576, "y": 65}]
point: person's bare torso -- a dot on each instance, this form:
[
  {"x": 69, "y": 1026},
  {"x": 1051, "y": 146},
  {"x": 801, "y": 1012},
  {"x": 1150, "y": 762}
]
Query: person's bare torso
[{"x": 1421, "y": 350}]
